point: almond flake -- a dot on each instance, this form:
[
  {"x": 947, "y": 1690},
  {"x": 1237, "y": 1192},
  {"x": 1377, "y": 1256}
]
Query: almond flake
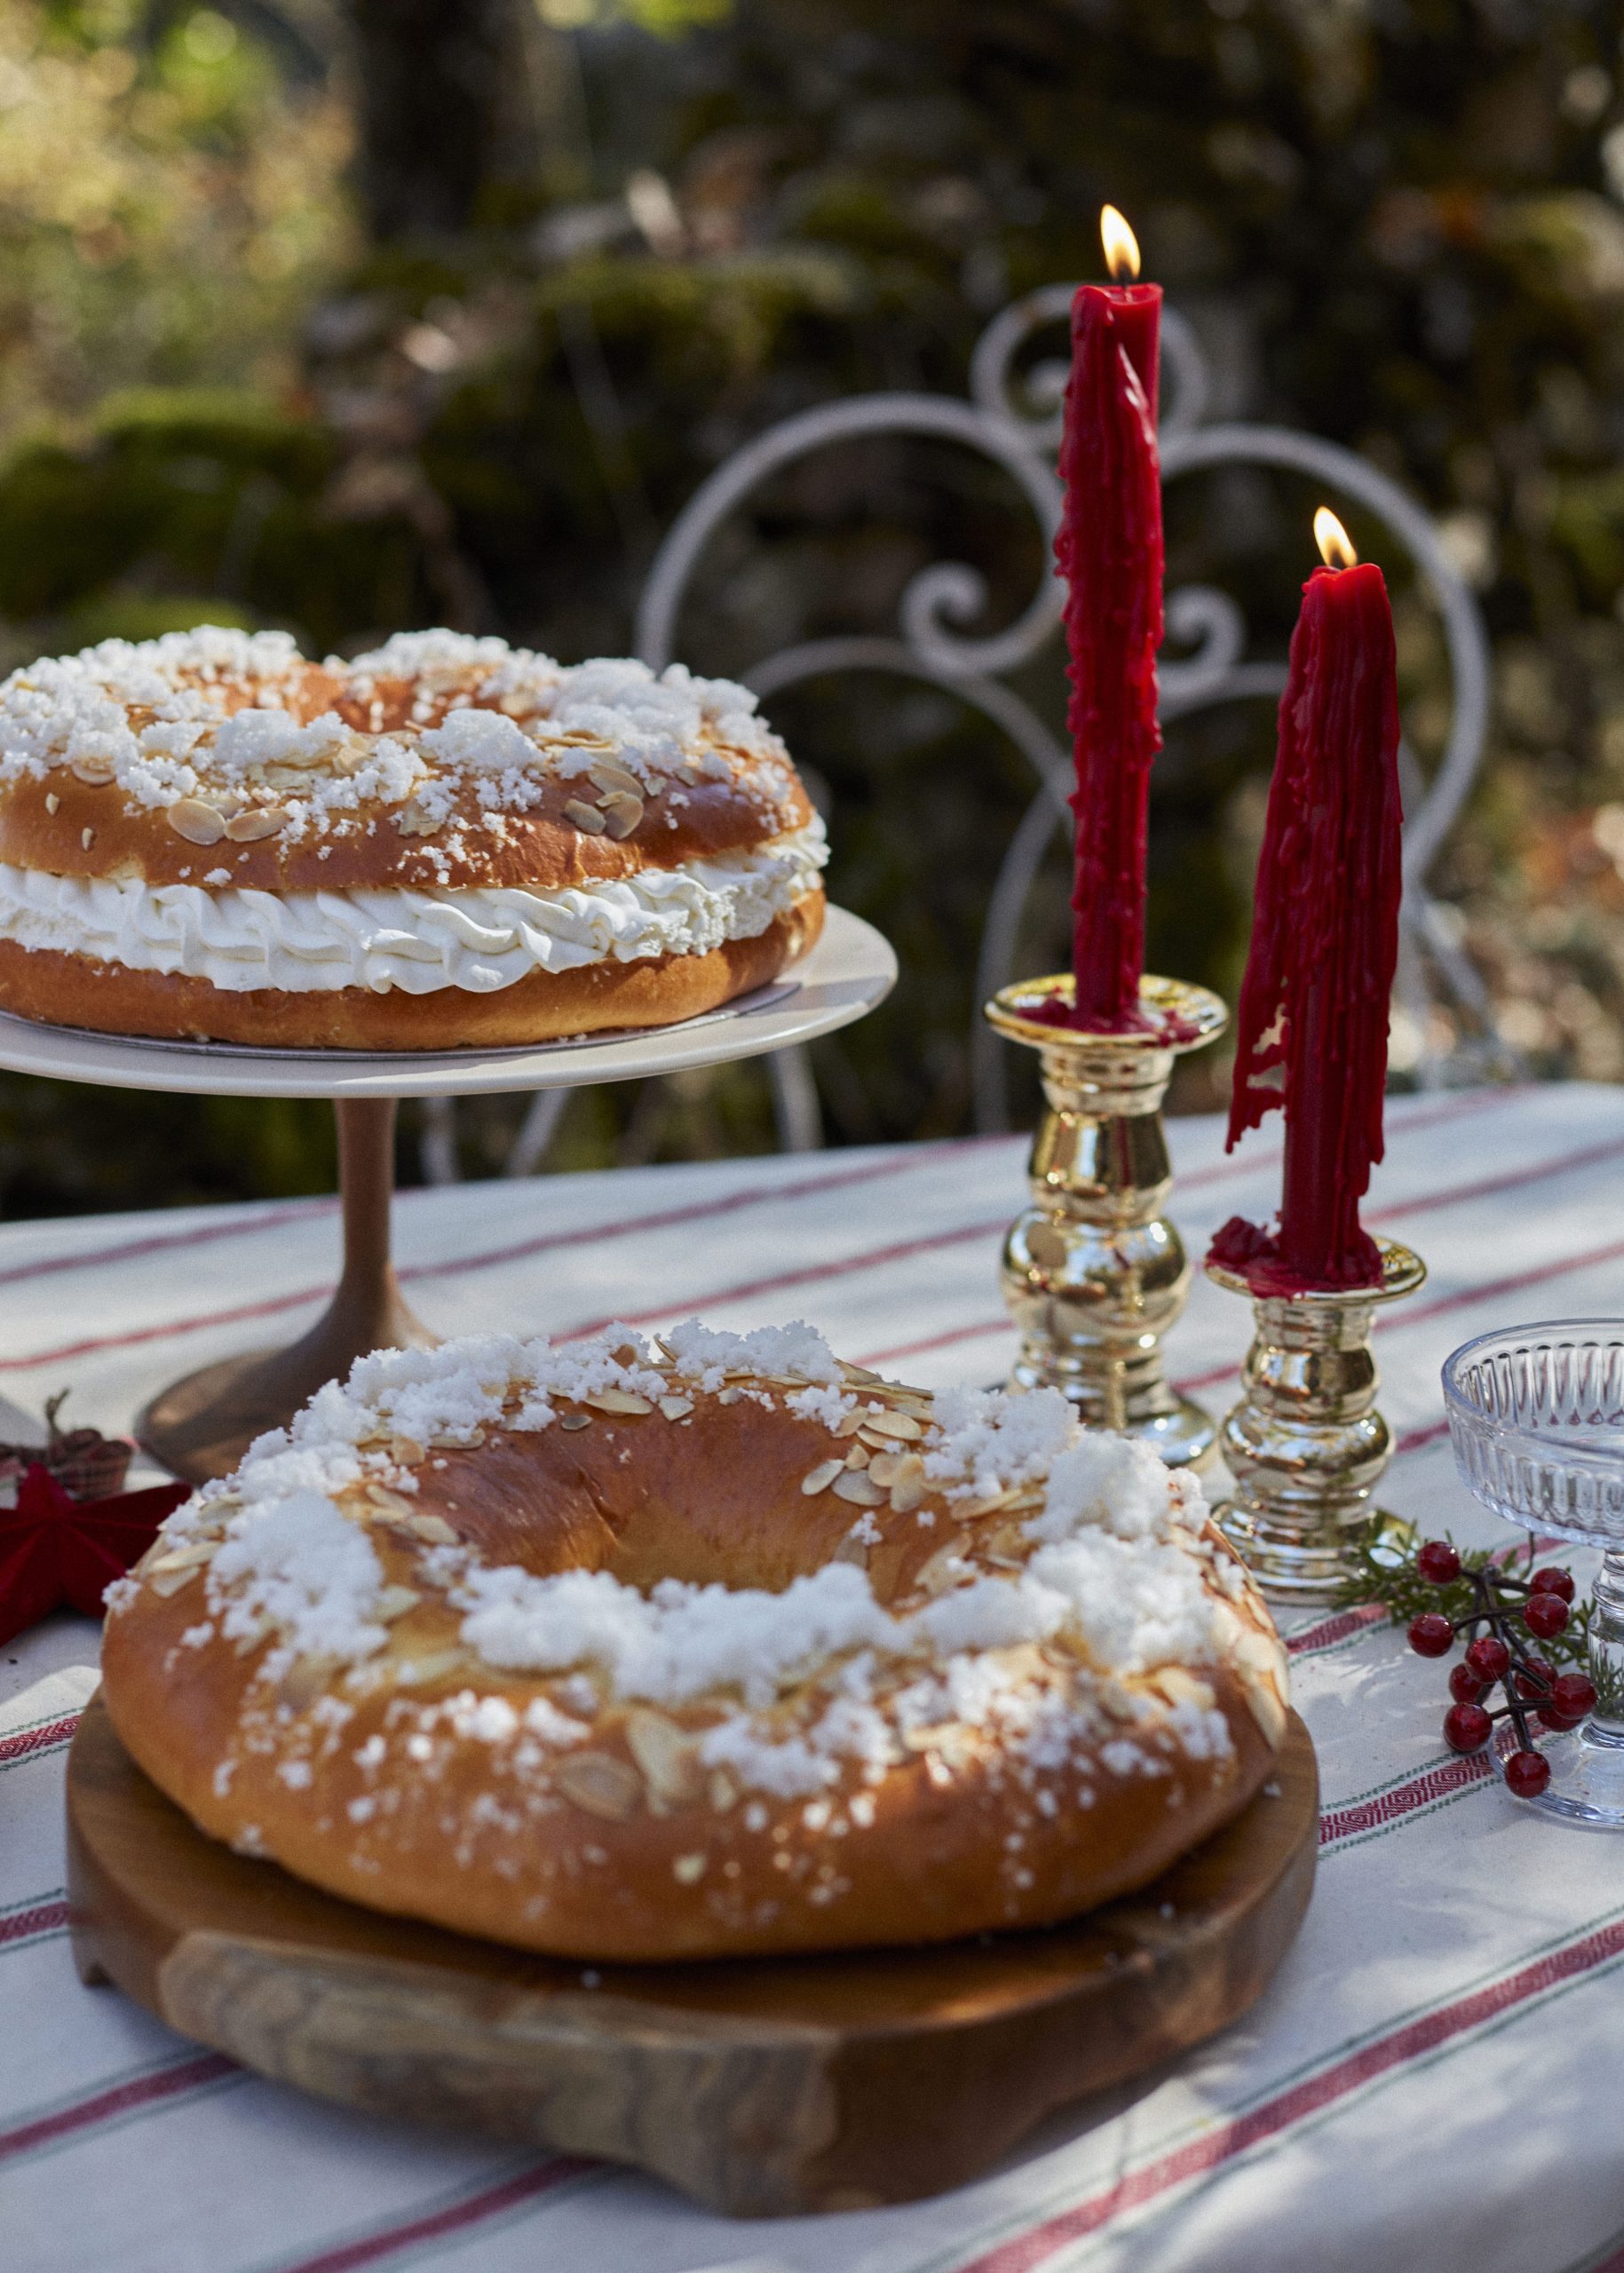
[
  {"x": 433, "y": 1529},
  {"x": 945, "y": 1569},
  {"x": 433, "y": 1666},
  {"x": 688, "y": 1869},
  {"x": 394, "y": 1602},
  {"x": 675, "y": 1407},
  {"x": 574, "y": 1420},
  {"x": 304, "y": 1681},
  {"x": 586, "y": 818},
  {"x": 95, "y": 772},
  {"x": 411, "y": 820},
  {"x": 615, "y": 779},
  {"x": 729, "y": 1396},
  {"x": 167, "y": 1578},
  {"x": 53, "y": 802},
  {"x": 858, "y": 1457},
  {"x": 258, "y": 821},
  {"x": 724, "y": 1791},
  {"x": 618, "y": 1400},
  {"x": 622, "y": 814},
  {"x": 600, "y": 1784},
  {"x": 859, "y": 1489},
  {"x": 885, "y": 1468},
  {"x": 852, "y": 1549},
  {"x": 822, "y": 1477},
  {"x": 405, "y": 1451},
  {"x": 198, "y": 823},
  {"x": 908, "y": 1486},
  {"x": 87, "y": 838},
  {"x": 893, "y": 1423},
  {"x": 848, "y": 1424},
  {"x": 666, "y": 1753}
]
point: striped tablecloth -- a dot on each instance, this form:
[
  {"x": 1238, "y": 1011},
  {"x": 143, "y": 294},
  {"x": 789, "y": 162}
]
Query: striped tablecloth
[{"x": 1431, "y": 2080}]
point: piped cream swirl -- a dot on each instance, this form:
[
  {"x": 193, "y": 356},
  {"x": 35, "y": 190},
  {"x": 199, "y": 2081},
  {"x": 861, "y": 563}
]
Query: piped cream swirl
[{"x": 306, "y": 943}]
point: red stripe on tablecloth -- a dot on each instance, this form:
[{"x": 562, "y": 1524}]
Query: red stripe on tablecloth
[
  {"x": 1332, "y": 1630},
  {"x": 38, "y": 1917},
  {"x": 241, "y": 1313},
  {"x": 1588, "y": 1156},
  {"x": 435, "y": 2223},
  {"x": 1200, "y": 2157},
  {"x": 1411, "y": 1315},
  {"x": 160, "y": 1242},
  {"x": 28, "y": 1740},
  {"x": 118, "y": 2099},
  {"x": 1404, "y": 1799}
]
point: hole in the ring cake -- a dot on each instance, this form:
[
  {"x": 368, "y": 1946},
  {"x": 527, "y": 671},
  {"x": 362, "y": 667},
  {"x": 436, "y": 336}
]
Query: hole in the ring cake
[{"x": 645, "y": 1500}]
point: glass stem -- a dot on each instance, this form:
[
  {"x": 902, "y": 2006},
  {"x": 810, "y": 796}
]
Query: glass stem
[{"x": 1606, "y": 1723}]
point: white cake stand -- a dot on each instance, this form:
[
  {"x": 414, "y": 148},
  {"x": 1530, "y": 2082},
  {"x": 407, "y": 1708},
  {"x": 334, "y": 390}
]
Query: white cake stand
[{"x": 200, "y": 1426}]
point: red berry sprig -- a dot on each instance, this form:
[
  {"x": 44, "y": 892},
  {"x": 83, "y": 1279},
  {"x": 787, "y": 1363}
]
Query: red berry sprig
[{"x": 1536, "y": 1696}]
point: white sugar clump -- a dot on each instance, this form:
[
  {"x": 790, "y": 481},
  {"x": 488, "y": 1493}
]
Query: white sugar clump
[
  {"x": 992, "y": 1440},
  {"x": 678, "y": 1642},
  {"x": 705, "y": 1354},
  {"x": 1114, "y": 1481},
  {"x": 302, "y": 1566}
]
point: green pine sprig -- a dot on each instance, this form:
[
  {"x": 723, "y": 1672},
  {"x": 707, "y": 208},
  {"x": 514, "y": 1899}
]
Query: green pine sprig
[{"x": 1394, "y": 1581}]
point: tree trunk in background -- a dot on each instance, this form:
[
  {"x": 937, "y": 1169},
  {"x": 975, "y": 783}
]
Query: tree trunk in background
[{"x": 441, "y": 88}]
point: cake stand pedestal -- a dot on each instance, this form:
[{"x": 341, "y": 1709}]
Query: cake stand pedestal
[{"x": 201, "y": 1426}]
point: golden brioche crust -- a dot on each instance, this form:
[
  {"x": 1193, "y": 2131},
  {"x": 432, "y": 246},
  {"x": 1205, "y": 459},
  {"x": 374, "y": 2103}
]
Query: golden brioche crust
[
  {"x": 603, "y": 997},
  {"x": 572, "y": 1814}
]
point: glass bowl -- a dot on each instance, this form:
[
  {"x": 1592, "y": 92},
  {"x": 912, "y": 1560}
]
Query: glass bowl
[{"x": 1536, "y": 1419}]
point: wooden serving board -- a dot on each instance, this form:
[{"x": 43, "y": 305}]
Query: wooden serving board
[{"x": 763, "y": 2086}]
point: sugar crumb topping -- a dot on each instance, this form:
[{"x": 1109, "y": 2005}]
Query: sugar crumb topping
[
  {"x": 217, "y": 717},
  {"x": 1106, "y": 1577}
]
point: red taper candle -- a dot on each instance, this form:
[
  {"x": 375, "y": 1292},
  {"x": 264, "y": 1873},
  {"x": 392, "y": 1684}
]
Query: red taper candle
[
  {"x": 1109, "y": 550},
  {"x": 1313, "y": 1029}
]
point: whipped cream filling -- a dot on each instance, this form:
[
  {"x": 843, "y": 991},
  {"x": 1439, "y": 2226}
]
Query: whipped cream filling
[{"x": 480, "y": 941}]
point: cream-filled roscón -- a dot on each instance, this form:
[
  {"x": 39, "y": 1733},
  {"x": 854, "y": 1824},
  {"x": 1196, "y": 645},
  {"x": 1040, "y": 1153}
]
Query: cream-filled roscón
[{"x": 444, "y": 842}]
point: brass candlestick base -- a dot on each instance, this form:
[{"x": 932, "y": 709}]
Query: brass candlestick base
[
  {"x": 1304, "y": 1445},
  {"x": 201, "y": 1427},
  {"x": 1094, "y": 1274}
]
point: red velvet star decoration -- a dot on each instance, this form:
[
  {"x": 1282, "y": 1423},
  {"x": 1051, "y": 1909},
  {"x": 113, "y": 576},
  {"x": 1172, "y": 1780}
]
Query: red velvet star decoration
[{"x": 55, "y": 1548}]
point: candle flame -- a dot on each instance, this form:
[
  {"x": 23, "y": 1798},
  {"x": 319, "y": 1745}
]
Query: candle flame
[
  {"x": 1122, "y": 246},
  {"x": 1336, "y": 545}
]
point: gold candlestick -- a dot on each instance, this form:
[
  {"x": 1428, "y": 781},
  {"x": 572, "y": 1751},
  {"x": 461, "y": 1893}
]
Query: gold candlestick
[
  {"x": 1093, "y": 1273},
  {"x": 1305, "y": 1446}
]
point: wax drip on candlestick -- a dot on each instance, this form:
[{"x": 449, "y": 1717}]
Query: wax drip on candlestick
[
  {"x": 1314, "y": 1004},
  {"x": 1109, "y": 550}
]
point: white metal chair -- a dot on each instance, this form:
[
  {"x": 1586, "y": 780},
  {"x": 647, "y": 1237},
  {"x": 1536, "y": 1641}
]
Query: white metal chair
[{"x": 1014, "y": 421}]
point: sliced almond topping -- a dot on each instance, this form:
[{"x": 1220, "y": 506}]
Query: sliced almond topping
[
  {"x": 622, "y": 813},
  {"x": 848, "y": 1424},
  {"x": 666, "y": 1753},
  {"x": 168, "y": 1577},
  {"x": 600, "y": 1784},
  {"x": 406, "y": 1451},
  {"x": 388, "y": 1502},
  {"x": 822, "y": 1477},
  {"x": 198, "y": 823},
  {"x": 885, "y": 1468},
  {"x": 394, "y": 1602},
  {"x": 182, "y": 1558},
  {"x": 87, "y": 838},
  {"x": 852, "y": 1484},
  {"x": 433, "y": 1529},
  {"x": 259, "y": 821},
  {"x": 724, "y": 1791},
  {"x": 613, "y": 779},
  {"x": 304, "y": 1681},
  {"x": 687, "y": 1869},
  {"x": 586, "y": 818},
  {"x": 858, "y": 1457},
  {"x": 467, "y": 1440},
  {"x": 618, "y": 1400},
  {"x": 432, "y": 1665},
  {"x": 411, "y": 820},
  {"x": 675, "y": 1407},
  {"x": 95, "y": 772},
  {"x": 946, "y": 1568},
  {"x": 908, "y": 1486},
  {"x": 852, "y": 1549},
  {"x": 892, "y": 1422},
  {"x": 729, "y": 1396},
  {"x": 572, "y": 1420},
  {"x": 53, "y": 802}
]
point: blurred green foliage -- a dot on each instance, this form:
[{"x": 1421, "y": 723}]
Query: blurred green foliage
[{"x": 1397, "y": 223}]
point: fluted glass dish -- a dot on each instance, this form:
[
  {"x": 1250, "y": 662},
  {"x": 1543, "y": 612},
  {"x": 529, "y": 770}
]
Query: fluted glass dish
[{"x": 1536, "y": 1419}]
